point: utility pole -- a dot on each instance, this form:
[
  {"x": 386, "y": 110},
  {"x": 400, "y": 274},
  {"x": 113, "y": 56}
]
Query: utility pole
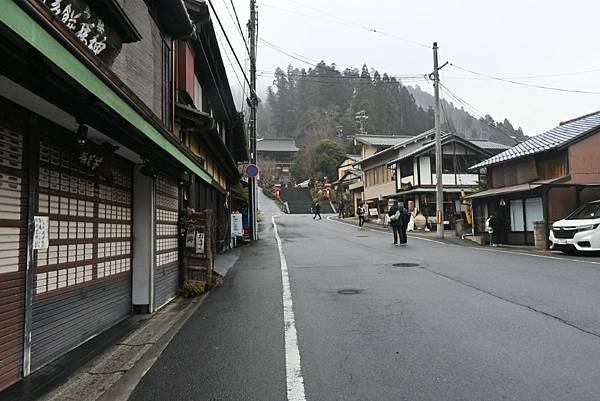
[
  {"x": 439, "y": 193},
  {"x": 253, "y": 104}
]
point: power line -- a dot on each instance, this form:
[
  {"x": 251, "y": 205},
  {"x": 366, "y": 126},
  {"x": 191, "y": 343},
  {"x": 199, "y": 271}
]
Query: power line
[
  {"x": 229, "y": 59},
  {"x": 524, "y": 83},
  {"x": 239, "y": 26},
  {"x": 229, "y": 43},
  {"x": 477, "y": 113},
  {"x": 234, "y": 20},
  {"x": 341, "y": 82},
  {"x": 350, "y": 24},
  {"x": 418, "y": 77},
  {"x": 553, "y": 75}
]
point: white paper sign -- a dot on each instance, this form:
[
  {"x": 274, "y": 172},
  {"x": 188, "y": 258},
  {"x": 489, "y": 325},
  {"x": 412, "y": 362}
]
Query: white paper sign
[
  {"x": 190, "y": 239},
  {"x": 40, "y": 232},
  {"x": 237, "y": 227},
  {"x": 199, "y": 242}
]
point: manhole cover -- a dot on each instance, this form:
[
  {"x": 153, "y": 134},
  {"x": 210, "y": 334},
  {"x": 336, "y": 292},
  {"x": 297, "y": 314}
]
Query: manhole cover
[
  {"x": 403, "y": 264},
  {"x": 349, "y": 291}
]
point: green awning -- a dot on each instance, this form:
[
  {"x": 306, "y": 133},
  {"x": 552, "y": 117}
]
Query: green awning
[
  {"x": 421, "y": 190},
  {"x": 33, "y": 33}
]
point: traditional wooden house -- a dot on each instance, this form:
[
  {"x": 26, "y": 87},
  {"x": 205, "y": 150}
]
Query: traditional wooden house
[
  {"x": 542, "y": 179},
  {"x": 275, "y": 157},
  {"x": 93, "y": 169},
  {"x": 415, "y": 173}
]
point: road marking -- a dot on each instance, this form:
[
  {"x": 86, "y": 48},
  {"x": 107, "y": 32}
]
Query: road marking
[
  {"x": 330, "y": 218},
  {"x": 293, "y": 367}
]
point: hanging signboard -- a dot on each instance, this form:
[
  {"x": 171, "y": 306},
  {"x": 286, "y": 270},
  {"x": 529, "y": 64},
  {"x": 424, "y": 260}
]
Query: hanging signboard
[
  {"x": 237, "y": 226},
  {"x": 85, "y": 24}
]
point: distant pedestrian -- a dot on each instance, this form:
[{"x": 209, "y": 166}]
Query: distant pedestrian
[
  {"x": 394, "y": 214},
  {"x": 341, "y": 211},
  {"x": 490, "y": 224},
  {"x": 404, "y": 220},
  {"x": 317, "y": 210},
  {"x": 360, "y": 211}
]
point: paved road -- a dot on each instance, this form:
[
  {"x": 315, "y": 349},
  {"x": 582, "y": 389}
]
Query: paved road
[{"x": 467, "y": 324}]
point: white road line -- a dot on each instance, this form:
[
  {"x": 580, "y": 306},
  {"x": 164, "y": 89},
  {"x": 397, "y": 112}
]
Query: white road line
[
  {"x": 293, "y": 367},
  {"x": 330, "y": 218},
  {"x": 478, "y": 248}
]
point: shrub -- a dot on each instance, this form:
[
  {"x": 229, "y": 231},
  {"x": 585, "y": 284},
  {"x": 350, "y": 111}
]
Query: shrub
[{"x": 192, "y": 288}]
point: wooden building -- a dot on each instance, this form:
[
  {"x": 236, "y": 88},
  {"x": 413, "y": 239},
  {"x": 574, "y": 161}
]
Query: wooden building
[
  {"x": 542, "y": 179},
  {"x": 93, "y": 169},
  {"x": 275, "y": 157}
]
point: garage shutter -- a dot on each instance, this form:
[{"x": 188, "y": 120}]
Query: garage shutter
[
  {"x": 13, "y": 246},
  {"x": 82, "y": 281},
  {"x": 166, "y": 274}
]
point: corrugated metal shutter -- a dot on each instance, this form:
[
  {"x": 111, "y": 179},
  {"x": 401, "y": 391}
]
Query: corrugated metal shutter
[
  {"x": 166, "y": 274},
  {"x": 13, "y": 248},
  {"x": 83, "y": 280}
]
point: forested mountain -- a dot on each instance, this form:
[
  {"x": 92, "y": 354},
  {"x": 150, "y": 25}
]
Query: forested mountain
[
  {"x": 458, "y": 120},
  {"x": 322, "y": 102}
]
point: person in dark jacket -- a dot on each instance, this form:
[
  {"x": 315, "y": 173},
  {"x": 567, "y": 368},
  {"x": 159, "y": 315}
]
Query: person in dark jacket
[
  {"x": 360, "y": 211},
  {"x": 317, "y": 210},
  {"x": 341, "y": 211},
  {"x": 404, "y": 220},
  {"x": 395, "y": 222}
]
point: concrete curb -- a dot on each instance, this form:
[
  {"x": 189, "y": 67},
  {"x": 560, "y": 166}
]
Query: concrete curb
[{"x": 125, "y": 386}]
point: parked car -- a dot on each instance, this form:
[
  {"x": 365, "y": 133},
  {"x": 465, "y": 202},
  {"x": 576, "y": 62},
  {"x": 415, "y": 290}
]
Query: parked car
[
  {"x": 303, "y": 184},
  {"x": 578, "y": 232}
]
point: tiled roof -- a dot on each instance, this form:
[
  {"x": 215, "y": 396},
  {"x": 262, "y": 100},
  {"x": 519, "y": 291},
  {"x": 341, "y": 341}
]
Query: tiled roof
[
  {"x": 555, "y": 138},
  {"x": 381, "y": 140},
  {"x": 356, "y": 158},
  {"x": 276, "y": 145},
  {"x": 485, "y": 144}
]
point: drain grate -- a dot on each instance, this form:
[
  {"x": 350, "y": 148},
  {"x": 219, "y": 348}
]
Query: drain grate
[
  {"x": 404, "y": 264},
  {"x": 362, "y": 236},
  {"x": 349, "y": 291}
]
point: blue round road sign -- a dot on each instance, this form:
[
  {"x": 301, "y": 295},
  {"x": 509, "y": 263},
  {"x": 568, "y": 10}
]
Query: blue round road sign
[{"x": 252, "y": 170}]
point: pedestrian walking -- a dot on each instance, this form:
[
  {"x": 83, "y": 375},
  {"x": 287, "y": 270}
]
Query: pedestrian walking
[
  {"x": 341, "y": 211},
  {"x": 395, "y": 222},
  {"x": 360, "y": 211},
  {"x": 404, "y": 220},
  {"x": 317, "y": 210},
  {"x": 490, "y": 224}
]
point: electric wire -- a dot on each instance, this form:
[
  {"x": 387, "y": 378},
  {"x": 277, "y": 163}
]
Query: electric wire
[
  {"x": 230, "y": 45},
  {"x": 480, "y": 117},
  {"x": 511, "y": 81},
  {"x": 236, "y": 24},
  {"x": 351, "y": 25},
  {"x": 239, "y": 25},
  {"x": 229, "y": 59}
]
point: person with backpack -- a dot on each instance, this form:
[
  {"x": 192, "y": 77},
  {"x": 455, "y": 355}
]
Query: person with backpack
[
  {"x": 404, "y": 220},
  {"x": 360, "y": 211},
  {"x": 395, "y": 222}
]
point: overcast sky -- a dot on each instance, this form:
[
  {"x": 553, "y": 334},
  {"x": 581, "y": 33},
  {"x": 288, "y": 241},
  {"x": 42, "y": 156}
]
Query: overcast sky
[{"x": 511, "y": 38}]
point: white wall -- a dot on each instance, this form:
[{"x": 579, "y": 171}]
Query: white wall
[
  {"x": 425, "y": 166},
  {"x": 467, "y": 179}
]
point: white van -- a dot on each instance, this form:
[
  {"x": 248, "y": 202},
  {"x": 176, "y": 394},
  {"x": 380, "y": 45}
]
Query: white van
[{"x": 578, "y": 232}]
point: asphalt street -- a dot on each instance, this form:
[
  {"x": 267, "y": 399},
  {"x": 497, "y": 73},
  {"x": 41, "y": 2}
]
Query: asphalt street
[{"x": 465, "y": 324}]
